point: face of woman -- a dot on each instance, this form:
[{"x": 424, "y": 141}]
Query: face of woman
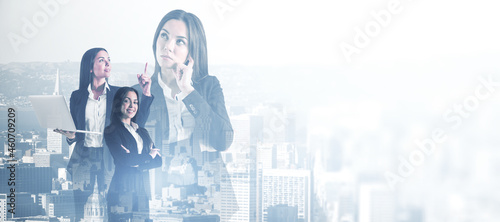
[
  {"x": 129, "y": 106},
  {"x": 172, "y": 44},
  {"x": 102, "y": 65}
]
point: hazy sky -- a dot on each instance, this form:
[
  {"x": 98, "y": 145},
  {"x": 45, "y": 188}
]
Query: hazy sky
[
  {"x": 256, "y": 32},
  {"x": 395, "y": 67}
]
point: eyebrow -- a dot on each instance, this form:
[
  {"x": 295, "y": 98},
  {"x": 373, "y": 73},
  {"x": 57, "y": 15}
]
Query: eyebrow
[
  {"x": 130, "y": 98},
  {"x": 182, "y": 37},
  {"x": 102, "y": 57}
]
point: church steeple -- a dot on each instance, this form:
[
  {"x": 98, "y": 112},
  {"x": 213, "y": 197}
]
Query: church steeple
[{"x": 57, "y": 87}]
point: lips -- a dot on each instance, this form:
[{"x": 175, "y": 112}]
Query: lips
[{"x": 166, "y": 57}]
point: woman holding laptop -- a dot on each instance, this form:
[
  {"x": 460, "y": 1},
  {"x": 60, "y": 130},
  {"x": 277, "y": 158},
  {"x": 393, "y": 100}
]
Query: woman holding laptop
[{"x": 90, "y": 108}]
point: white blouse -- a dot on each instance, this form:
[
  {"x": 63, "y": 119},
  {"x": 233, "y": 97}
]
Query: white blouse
[
  {"x": 181, "y": 122},
  {"x": 95, "y": 118},
  {"x": 132, "y": 128}
]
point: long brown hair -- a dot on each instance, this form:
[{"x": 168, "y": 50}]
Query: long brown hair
[
  {"x": 86, "y": 66},
  {"x": 197, "y": 42}
]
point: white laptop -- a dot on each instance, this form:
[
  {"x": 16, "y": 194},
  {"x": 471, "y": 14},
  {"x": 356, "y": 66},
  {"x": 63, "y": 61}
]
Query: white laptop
[{"x": 53, "y": 113}]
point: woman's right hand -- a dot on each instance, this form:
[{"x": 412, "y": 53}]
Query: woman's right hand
[
  {"x": 145, "y": 81},
  {"x": 183, "y": 75},
  {"x": 154, "y": 152},
  {"x": 69, "y": 134}
]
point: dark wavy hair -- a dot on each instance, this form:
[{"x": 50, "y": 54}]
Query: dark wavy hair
[
  {"x": 197, "y": 42},
  {"x": 87, "y": 65},
  {"x": 120, "y": 95}
]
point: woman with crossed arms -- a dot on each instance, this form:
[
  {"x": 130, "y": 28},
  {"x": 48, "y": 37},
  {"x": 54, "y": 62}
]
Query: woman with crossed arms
[
  {"x": 133, "y": 155},
  {"x": 90, "y": 108}
]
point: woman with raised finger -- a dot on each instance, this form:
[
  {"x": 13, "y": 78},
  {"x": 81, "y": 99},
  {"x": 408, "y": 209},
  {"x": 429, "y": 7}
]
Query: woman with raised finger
[{"x": 90, "y": 108}]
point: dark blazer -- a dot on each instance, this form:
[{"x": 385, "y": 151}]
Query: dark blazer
[
  {"x": 128, "y": 166},
  {"x": 207, "y": 106},
  {"x": 78, "y": 102},
  {"x": 212, "y": 128},
  {"x": 77, "y": 105}
]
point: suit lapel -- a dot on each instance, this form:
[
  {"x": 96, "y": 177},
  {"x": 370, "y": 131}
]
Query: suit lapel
[
  {"x": 110, "y": 95},
  {"x": 159, "y": 108},
  {"x": 130, "y": 140},
  {"x": 81, "y": 105}
]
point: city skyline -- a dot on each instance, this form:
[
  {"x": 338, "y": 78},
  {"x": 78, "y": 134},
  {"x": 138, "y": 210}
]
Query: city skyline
[
  {"x": 341, "y": 147},
  {"x": 386, "y": 108}
]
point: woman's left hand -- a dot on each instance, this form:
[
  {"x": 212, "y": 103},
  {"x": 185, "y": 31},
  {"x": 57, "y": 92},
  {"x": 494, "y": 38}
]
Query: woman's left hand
[
  {"x": 183, "y": 74},
  {"x": 145, "y": 82}
]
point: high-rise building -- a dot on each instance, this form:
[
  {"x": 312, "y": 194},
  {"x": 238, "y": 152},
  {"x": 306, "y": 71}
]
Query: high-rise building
[
  {"x": 49, "y": 159},
  {"x": 184, "y": 218},
  {"x": 62, "y": 174},
  {"x": 288, "y": 187},
  {"x": 54, "y": 140},
  {"x": 335, "y": 196},
  {"x": 282, "y": 213},
  {"x": 42, "y": 159},
  {"x": 22, "y": 147},
  {"x": 326, "y": 150},
  {"x": 25, "y": 177},
  {"x": 267, "y": 156},
  {"x": 241, "y": 127},
  {"x": 346, "y": 205},
  {"x": 278, "y": 126},
  {"x": 266, "y": 159},
  {"x": 376, "y": 203},
  {"x": 286, "y": 156},
  {"x": 256, "y": 129},
  {"x": 174, "y": 193},
  {"x": 3, "y": 207},
  {"x": 238, "y": 190},
  {"x": 272, "y": 156},
  {"x": 26, "y": 206},
  {"x": 59, "y": 203},
  {"x": 248, "y": 129}
]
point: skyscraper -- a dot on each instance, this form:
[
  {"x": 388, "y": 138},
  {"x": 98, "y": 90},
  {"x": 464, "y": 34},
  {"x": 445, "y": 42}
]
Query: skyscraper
[
  {"x": 376, "y": 203},
  {"x": 54, "y": 140},
  {"x": 286, "y": 156},
  {"x": 25, "y": 177},
  {"x": 267, "y": 156},
  {"x": 58, "y": 203},
  {"x": 287, "y": 187},
  {"x": 282, "y": 213},
  {"x": 266, "y": 159},
  {"x": 3, "y": 207},
  {"x": 238, "y": 190}
]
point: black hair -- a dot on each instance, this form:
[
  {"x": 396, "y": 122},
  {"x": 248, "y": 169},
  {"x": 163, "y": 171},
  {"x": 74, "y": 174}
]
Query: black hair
[
  {"x": 121, "y": 94},
  {"x": 86, "y": 66}
]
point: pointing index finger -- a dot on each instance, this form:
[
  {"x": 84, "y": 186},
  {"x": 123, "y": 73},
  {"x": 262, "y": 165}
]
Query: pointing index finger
[{"x": 146, "y": 69}]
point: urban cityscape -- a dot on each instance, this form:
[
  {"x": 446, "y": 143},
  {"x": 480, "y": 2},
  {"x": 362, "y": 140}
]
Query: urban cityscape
[{"x": 287, "y": 162}]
